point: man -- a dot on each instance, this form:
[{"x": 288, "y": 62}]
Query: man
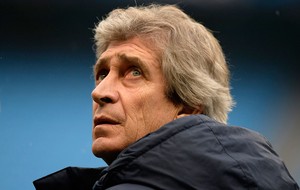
[{"x": 160, "y": 107}]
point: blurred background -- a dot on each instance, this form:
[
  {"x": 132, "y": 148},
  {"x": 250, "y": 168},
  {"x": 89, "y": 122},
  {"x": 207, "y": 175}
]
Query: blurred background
[{"x": 46, "y": 58}]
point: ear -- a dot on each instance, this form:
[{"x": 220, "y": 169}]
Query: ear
[{"x": 187, "y": 110}]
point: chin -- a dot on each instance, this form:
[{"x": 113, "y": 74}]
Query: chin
[
  {"x": 97, "y": 148},
  {"x": 107, "y": 153}
]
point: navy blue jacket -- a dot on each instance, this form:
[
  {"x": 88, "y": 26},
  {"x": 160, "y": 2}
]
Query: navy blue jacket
[{"x": 195, "y": 152}]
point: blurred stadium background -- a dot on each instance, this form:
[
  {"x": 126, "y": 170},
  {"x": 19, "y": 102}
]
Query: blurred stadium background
[{"x": 46, "y": 58}]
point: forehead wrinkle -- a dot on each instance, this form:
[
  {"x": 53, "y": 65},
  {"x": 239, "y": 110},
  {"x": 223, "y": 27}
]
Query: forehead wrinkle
[
  {"x": 120, "y": 56},
  {"x": 131, "y": 59}
]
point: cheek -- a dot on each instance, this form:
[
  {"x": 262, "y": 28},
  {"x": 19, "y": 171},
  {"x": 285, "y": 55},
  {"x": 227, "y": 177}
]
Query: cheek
[
  {"x": 94, "y": 106},
  {"x": 146, "y": 110},
  {"x": 160, "y": 111},
  {"x": 136, "y": 115},
  {"x": 134, "y": 123},
  {"x": 134, "y": 103}
]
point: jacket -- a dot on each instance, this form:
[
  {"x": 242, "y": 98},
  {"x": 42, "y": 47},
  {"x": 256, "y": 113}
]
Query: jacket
[{"x": 196, "y": 152}]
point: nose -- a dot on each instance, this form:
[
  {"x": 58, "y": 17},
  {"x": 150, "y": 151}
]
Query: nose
[{"x": 106, "y": 91}]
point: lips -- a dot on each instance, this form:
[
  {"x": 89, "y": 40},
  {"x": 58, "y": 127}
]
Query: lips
[{"x": 104, "y": 120}]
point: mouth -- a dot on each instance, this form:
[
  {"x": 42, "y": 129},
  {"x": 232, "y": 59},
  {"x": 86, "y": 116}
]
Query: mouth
[{"x": 103, "y": 120}]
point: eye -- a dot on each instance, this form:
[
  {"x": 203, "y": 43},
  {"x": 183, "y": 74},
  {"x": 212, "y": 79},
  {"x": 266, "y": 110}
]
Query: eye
[
  {"x": 136, "y": 72},
  {"x": 101, "y": 75},
  {"x": 133, "y": 73}
]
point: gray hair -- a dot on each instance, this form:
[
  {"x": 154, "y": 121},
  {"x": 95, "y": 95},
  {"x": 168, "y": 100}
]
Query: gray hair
[{"x": 192, "y": 60}]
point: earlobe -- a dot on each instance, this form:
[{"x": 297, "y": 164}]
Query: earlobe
[{"x": 187, "y": 110}]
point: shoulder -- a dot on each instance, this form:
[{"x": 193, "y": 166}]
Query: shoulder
[
  {"x": 129, "y": 186},
  {"x": 71, "y": 178},
  {"x": 196, "y": 152}
]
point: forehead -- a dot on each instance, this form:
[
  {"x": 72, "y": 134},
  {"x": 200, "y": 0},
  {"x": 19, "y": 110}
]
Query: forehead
[{"x": 133, "y": 50}]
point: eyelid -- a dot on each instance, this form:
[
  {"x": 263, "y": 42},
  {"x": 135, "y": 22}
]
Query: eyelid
[
  {"x": 99, "y": 73},
  {"x": 137, "y": 62},
  {"x": 100, "y": 65},
  {"x": 133, "y": 68}
]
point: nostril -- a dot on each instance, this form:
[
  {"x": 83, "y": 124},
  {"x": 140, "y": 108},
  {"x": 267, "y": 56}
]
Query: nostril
[{"x": 106, "y": 100}]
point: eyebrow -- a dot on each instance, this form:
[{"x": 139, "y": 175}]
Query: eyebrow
[
  {"x": 100, "y": 63},
  {"x": 125, "y": 58}
]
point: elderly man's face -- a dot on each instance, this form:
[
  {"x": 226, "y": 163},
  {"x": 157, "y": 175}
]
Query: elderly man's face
[{"x": 129, "y": 99}]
